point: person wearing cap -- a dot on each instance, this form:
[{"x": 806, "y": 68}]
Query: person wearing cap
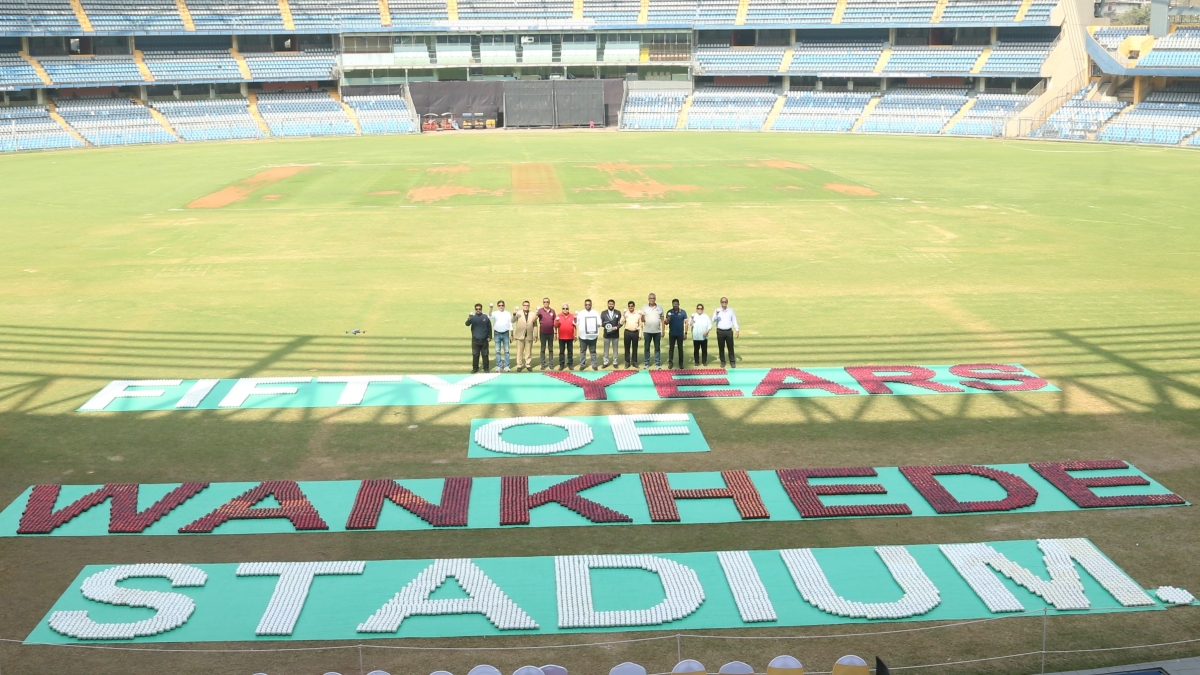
[
  {"x": 700, "y": 325},
  {"x": 545, "y": 317},
  {"x": 631, "y": 321},
  {"x": 652, "y": 322},
  {"x": 524, "y": 336},
  {"x": 611, "y": 320},
  {"x": 481, "y": 335},
  {"x": 676, "y": 321},
  {"x": 501, "y": 332},
  {"x": 565, "y": 325},
  {"x": 587, "y": 324},
  {"x": 726, "y": 322}
]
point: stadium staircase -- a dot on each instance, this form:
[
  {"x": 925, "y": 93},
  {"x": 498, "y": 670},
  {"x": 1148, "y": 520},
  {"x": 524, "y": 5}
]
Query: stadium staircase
[
  {"x": 838, "y": 11},
  {"x": 962, "y": 112},
  {"x": 185, "y": 14},
  {"x": 938, "y": 10},
  {"x": 883, "y": 59},
  {"x": 1065, "y": 70},
  {"x": 865, "y": 113},
  {"x": 162, "y": 120},
  {"x": 452, "y": 10},
  {"x": 258, "y": 118},
  {"x": 644, "y": 11},
  {"x": 385, "y": 14},
  {"x": 987, "y": 51},
  {"x": 786, "y": 63},
  {"x": 53, "y": 110},
  {"x": 285, "y": 12},
  {"x": 37, "y": 68},
  {"x": 742, "y": 10},
  {"x": 1022, "y": 10},
  {"x": 1114, "y": 119},
  {"x": 681, "y": 123},
  {"x": 350, "y": 114},
  {"x": 774, "y": 114},
  {"x": 243, "y": 67},
  {"x": 81, "y": 16},
  {"x": 140, "y": 59}
]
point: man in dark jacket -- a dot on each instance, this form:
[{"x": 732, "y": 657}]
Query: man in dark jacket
[
  {"x": 610, "y": 319},
  {"x": 481, "y": 335}
]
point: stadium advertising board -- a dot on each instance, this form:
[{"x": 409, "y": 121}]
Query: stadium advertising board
[
  {"x": 560, "y": 387},
  {"x": 353, "y": 600},
  {"x": 650, "y": 498}
]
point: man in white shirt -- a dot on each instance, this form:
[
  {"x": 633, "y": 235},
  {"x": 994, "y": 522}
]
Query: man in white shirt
[
  {"x": 652, "y": 324},
  {"x": 502, "y": 322},
  {"x": 587, "y": 321},
  {"x": 727, "y": 329},
  {"x": 700, "y": 325}
]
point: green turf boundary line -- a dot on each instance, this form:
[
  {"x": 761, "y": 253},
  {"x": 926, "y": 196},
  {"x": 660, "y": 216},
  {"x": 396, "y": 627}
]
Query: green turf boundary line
[
  {"x": 589, "y": 500},
  {"x": 560, "y": 387},
  {"x": 548, "y": 595}
]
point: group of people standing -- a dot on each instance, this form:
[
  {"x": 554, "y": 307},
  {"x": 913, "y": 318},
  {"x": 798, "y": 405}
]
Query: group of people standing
[{"x": 526, "y": 329}]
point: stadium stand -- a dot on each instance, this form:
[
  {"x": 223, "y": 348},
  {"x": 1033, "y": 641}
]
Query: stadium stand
[
  {"x": 671, "y": 11},
  {"x": 815, "y": 12},
  {"x": 821, "y": 111},
  {"x": 1078, "y": 118},
  {"x": 980, "y": 11},
  {"x": 32, "y": 128},
  {"x": 1165, "y": 117},
  {"x": 343, "y": 15},
  {"x": 312, "y": 113},
  {"x": 16, "y": 71},
  {"x": 38, "y": 17},
  {"x": 652, "y": 110},
  {"x": 1016, "y": 58},
  {"x": 915, "y": 111},
  {"x": 835, "y": 57},
  {"x": 133, "y": 16},
  {"x": 612, "y": 11},
  {"x": 757, "y": 60},
  {"x": 192, "y": 66},
  {"x": 933, "y": 60},
  {"x": 1038, "y": 12},
  {"x": 415, "y": 13},
  {"x": 889, "y": 11},
  {"x": 306, "y": 65},
  {"x": 514, "y": 10},
  {"x": 716, "y": 12},
  {"x": 989, "y": 114},
  {"x": 382, "y": 114},
  {"x": 210, "y": 119},
  {"x": 1110, "y": 37},
  {"x": 234, "y": 16},
  {"x": 95, "y": 71},
  {"x": 113, "y": 121},
  {"x": 1180, "y": 49},
  {"x": 730, "y": 108}
]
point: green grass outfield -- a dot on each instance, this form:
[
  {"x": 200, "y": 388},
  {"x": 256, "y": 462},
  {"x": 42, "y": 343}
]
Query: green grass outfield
[{"x": 1081, "y": 262}]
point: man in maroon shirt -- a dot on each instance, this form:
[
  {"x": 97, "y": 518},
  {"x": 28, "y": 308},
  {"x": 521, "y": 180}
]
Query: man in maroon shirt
[{"x": 546, "y": 317}]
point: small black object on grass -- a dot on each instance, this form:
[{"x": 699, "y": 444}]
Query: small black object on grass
[{"x": 356, "y": 331}]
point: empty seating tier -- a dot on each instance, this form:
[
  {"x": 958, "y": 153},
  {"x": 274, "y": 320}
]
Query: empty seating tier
[
  {"x": 652, "y": 110},
  {"x": 31, "y": 128},
  {"x": 515, "y": 10},
  {"x": 989, "y": 114},
  {"x": 933, "y": 60},
  {"x": 309, "y": 65},
  {"x": 889, "y": 11},
  {"x": 16, "y": 72},
  {"x": 133, "y": 16},
  {"x": 1016, "y": 58},
  {"x": 612, "y": 11},
  {"x": 821, "y": 110},
  {"x": 232, "y": 16},
  {"x": 980, "y": 11},
  {"x": 730, "y": 108},
  {"x": 304, "y": 114},
  {"x": 914, "y": 111},
  {"x": 210, "y": 120},
  {"x": 777, "y": 12},
  {"x": 193, "y": 66},
  {"x": 113, "y": 121},
  {"x": 343, "y": 15},
  {"x": 835, "y": 58},
  {"x": 1180, "y": 49},
  {"x": 1164, "y": 118},
  {"x": 92, "y": 70},
  {"x": 38, "y": 17},
  {"x": 1078, "y": 118},
  {"x": 748, "y": 60},
  {"x": 1111, "y": 37},
  {"x": 385, "y": 114}
]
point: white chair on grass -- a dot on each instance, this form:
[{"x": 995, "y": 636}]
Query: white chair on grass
[
  {"x": 627, "y": 668},
  {"x": 785, "y": 665},
  {"x": 484, "y": 670},
  {"x": 687, "y": 666},
  {"x": 528, "y": 670},
  {"x": 554, "y": 670},
  {"x": 736, "y": 668}
]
